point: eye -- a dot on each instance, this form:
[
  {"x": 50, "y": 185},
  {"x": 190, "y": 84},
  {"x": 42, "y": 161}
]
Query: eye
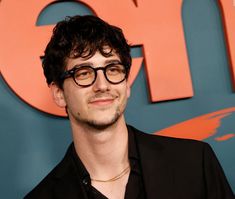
[
  {"x": 83, "y": 73},
  {"x": 115, "y": 69}
]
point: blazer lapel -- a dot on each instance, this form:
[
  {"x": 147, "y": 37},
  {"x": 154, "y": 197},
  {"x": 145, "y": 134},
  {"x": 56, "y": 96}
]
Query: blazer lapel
[{"x": 156, "y": 170}]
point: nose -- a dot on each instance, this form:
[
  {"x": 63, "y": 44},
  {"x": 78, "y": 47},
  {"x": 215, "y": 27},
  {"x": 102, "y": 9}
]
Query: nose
[{"x": 101, "y": 83}]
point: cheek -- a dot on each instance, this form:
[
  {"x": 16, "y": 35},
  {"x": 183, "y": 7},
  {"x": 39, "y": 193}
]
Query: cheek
[
  {"x": 75, "y": 99},
  {"x": 125, "y": 94},
  {"x": 76, "y": 105},
  {"x": 78, "y": 100},
  {"x": 128, "y": 91}
]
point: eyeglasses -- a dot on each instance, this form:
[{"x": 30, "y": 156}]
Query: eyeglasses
[{"x": 114, "y": 73}]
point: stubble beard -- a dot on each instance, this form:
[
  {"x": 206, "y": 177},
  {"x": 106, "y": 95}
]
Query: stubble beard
[
  {"x": 101, "y": 125},
  {"x": 95, "y": 124}
]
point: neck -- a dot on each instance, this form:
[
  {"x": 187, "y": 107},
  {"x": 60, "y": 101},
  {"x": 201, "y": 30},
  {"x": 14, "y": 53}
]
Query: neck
[{"x": 103, "y": 152}]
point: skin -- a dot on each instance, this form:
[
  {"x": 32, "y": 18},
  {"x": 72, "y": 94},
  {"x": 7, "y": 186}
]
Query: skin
[{"x": 98, "y": 125}]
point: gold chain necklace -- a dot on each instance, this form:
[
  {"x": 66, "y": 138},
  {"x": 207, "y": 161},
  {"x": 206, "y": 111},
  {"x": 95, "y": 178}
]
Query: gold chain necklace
[{"x": 124, "y": 172}]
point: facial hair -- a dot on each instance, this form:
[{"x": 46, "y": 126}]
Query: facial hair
[
  {"x": 95, "y": 124},
  {"x": 102, "y": 126}
]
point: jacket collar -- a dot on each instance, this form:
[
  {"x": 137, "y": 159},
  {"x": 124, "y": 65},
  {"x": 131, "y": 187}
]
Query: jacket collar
[{"x": 156, "y": 171}]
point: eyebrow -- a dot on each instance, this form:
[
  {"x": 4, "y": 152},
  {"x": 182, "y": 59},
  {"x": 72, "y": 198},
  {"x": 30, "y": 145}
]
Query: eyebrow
[
  {"x": 112, "y": 61},
  {"x": 107, "y": 62}
]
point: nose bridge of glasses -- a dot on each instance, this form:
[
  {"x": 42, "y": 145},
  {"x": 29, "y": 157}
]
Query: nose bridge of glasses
[
  {"x": 102, "y": 72},
  {"x": 100, "y": 68},
  {"x": 100, "y": 76}
]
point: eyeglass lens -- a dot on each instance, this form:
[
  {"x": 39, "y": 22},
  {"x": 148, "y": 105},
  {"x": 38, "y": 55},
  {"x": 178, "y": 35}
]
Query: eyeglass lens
[{"x": 86, "y": 75}]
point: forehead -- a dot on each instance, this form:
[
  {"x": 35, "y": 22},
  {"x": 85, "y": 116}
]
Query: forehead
[{"x": 96, "y": 60}]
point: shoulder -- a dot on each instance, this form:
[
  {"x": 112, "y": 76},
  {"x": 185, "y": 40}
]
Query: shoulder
[
  {"x": 51, "y": 183},
  {"x": 152, "y": 142},
  {"x": 187, "y": 157},
  {"x": 187, "y": 163}
]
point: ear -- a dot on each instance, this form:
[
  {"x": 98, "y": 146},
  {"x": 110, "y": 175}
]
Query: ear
[{"x": 57, "y": 95}]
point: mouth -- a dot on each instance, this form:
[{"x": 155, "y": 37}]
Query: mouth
[{"x": 102, "y": 101}]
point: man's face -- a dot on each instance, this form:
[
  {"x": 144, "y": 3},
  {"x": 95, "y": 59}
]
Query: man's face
[{"x": 100, "y": 104}]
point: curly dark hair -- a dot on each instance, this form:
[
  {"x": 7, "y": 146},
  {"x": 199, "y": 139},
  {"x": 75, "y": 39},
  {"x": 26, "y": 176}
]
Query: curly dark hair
[{"x": 82, "y": 36}]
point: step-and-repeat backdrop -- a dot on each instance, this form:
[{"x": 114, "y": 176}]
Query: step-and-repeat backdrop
[{"x": 182, "y": 79}]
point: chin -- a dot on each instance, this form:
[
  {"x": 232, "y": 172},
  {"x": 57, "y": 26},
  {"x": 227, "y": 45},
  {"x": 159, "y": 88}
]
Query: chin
[{"x": 103, "y": 124}]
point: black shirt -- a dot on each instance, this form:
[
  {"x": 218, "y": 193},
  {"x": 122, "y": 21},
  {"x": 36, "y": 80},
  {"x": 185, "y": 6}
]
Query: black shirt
[{"x": 134, "y": 187}]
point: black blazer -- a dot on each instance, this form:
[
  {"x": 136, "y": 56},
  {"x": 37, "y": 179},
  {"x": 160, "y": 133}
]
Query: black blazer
[{"x": 172, "y": 169}]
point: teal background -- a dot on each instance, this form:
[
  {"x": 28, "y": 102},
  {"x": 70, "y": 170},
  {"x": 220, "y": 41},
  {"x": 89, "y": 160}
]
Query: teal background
[{"x": 32, "y": 142}]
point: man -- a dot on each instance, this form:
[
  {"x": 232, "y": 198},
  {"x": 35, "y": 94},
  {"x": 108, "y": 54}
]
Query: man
[{"x": 86, "y": 64}]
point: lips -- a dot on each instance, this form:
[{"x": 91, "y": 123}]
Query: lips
[{"x": 102, "y": 101}]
